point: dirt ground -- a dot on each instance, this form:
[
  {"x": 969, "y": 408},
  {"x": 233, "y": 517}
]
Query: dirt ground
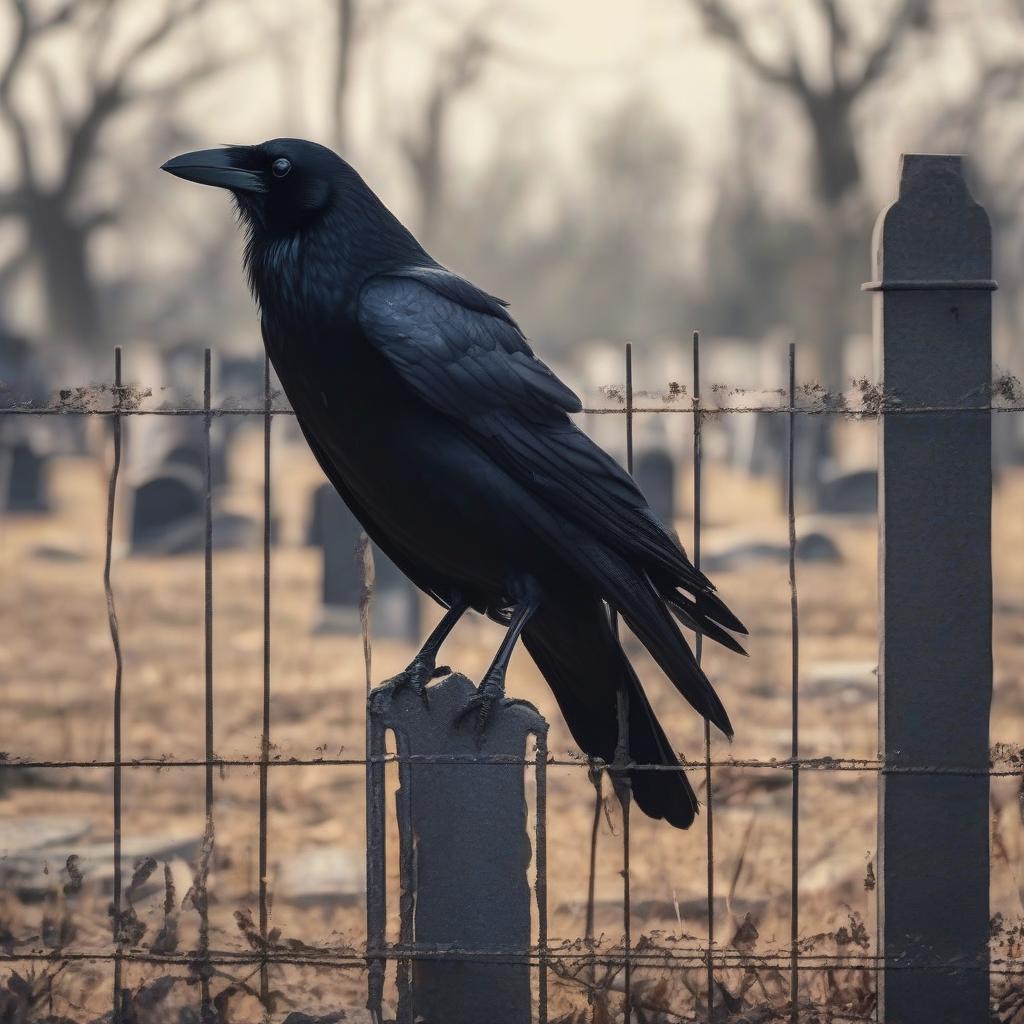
[{"x": 56, "y": 679}]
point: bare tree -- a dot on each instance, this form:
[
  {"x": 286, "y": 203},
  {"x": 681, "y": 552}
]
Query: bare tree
[
  {"x": 353, "y": 20},
  {"x": 59, "y": 215},
  {"x": 988, "y": 125},
  {"x": 345, "y": 13},
  {"x": 854, "y": 68},
  {"x": 827, "y": 102},
  {"x": 423, "y": 146}
]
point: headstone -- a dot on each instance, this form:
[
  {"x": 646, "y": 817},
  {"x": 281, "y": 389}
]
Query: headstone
[
  {"x": 20, "y": 835},
  {"x": 322, "y": 875},
  {"x": 464, "y": 854},
  {"x": 814, "y": 546},
  {"x": 190, "y": 452},
  {"x": 395, "y": 602},
  {"x": 241, "y": 381},
  {"x": 23, "y": 479},
  {"x": 24, "y": 444},
  {"x": 768, "y": 445},
  {"x": 655, "y": 474},
  {"x": 183, "y": 369},
  {"x": 850, "y": 494},
  {"x": 31, "y": 871},
  {"x": 167, "y": 514},
  {"x": 336, "y": 532},
  {"x": 841, "y": 682},
  {"x": 817, "y": 547}
]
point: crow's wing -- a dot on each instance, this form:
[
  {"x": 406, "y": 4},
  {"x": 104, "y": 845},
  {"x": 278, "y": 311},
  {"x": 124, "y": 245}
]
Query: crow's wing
[{"x": 459, "y": 350}]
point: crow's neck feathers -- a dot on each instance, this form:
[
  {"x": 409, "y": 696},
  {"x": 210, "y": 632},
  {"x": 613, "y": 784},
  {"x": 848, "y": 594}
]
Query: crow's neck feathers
[{"x": 315, "y": 270}]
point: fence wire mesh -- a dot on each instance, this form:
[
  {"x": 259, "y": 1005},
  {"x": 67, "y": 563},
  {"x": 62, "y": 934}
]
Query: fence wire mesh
[{"x": 119, "y": 401}]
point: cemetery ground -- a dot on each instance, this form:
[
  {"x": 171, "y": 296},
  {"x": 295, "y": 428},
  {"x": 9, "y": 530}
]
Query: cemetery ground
[{"x": 57, "y": 671}]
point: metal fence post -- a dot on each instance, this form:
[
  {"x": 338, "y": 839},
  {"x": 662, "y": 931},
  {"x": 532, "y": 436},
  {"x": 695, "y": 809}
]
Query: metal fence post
[
  {"x": 932, "y": 315},
  {"x": 465, "y": 907}
]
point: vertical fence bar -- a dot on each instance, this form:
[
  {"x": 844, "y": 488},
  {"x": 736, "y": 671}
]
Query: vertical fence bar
[
  {"x": 265, "y": 735},
  {"x": 404, "y": 966},
  {"x": 596, "y": 774},
  {"x": 376, "y": 808},
  {"x": 933, "y": 333},
  {"x": 698, "y": 651},
  {"x": 794, "y": 627},
  {"x": 623, "y": 757},
  {"x": 115, "y": 639},
  {"x": 376, "y": 868},
  {"x": 541, "y": 769},
  {"x": 207, "y": 852}
]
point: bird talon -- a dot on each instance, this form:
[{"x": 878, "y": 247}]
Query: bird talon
[
  {"x": 416, "y": 675},
  {"x": 483, "y": 703}
]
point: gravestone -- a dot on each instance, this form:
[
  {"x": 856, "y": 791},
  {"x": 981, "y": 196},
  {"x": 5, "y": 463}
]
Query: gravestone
[
  {"x": 336, "y": 532},
  {"x": 31, "y": 869},
  {"x": 850, "y": 494},
  {"x": 396, "y": 602},
  {"x": 190, "y": 452},
  {"x": 167, "y": 514},
  {"x": 22, "y": 479},
  {"x": 768, "y": 445},
  {"x": 322, "y": 875},
  {"x": 656, "y": 477},
  {"x": 241, "y": 381},
  {"x": 814, "y": 546},
  {"x": 464, "y": 853}
]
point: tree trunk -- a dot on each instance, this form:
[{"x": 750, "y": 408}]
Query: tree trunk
[
  {"x": 72, "y": 311},
  {"x": 346, "y": 15}
]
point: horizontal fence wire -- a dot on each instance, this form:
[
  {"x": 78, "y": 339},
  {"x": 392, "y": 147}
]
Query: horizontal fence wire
[
  {"x": 691, "y": 959},
  {"x": 705, "y": 411},
  {"x": 823, "y": 764},
  {"x": 546, "y": 956}
]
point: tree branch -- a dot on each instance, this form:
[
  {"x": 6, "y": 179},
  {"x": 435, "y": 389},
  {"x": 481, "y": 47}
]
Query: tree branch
[
  {"x": 15, "y": 265},
  {"x": 19, "y": 49},
  {"x": 113, "y": 94},
  {"x": 12, "y": 201},
  {"x": 908, "y": 16},
  {"x": 838, "y": 38},
  {"x": 346, "y": 33},
  {"x": 174, "y": 15},
  {"x": 723, "y": 23}
]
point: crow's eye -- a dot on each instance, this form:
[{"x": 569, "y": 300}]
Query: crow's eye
[{"x": 280, "y": 167}]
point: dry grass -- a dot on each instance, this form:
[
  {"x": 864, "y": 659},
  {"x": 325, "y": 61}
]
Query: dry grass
[{"x": 56, "y": 671}]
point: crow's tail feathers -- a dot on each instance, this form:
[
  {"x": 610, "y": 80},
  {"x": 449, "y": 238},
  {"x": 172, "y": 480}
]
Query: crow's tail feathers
[{"x": 575, "y": 648}]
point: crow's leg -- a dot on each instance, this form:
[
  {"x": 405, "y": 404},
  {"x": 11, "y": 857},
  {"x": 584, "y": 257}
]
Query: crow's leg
[
  {"x": 492, "y": 688},
  {"x": 424, "y": 666}
]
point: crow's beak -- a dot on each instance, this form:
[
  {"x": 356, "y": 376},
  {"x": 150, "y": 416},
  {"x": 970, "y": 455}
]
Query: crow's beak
[{"x": 215, "y": 167}]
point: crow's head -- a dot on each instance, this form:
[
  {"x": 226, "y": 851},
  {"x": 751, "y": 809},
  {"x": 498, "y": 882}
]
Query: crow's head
[
  {"x": 305, "y": 209},
  {"x": 279, "y": 185}
]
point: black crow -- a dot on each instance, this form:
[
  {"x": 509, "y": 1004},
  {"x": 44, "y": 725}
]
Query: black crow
[{"x": 451, "y": 442}]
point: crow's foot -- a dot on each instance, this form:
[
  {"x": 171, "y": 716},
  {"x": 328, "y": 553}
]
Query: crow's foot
[
  {"x": 416, "y": 675},
  {"x": 482, "y": 704}
]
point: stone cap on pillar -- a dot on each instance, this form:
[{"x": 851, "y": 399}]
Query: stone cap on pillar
[{"x": 934, "y": 236}]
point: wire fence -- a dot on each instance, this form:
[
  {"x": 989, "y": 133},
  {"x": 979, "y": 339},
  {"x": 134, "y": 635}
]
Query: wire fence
[{"x": 544, "y": 958}]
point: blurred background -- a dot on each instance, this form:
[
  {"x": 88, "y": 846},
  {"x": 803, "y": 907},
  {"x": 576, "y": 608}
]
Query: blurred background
[
  {"x": 616, "y": 172},
  {"x": 620, "y": 173}
]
